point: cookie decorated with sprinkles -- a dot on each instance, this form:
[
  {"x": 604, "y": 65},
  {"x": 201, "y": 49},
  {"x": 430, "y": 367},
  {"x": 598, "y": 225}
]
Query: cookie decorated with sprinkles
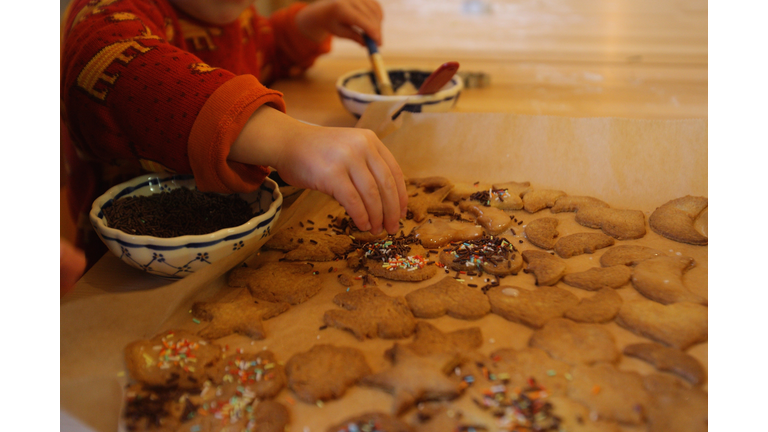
[
  {"x": 258, "y": 373},
  {"x": 397, "y": 258},
  {"x": 175, "y": 358},
  {"x": 239, "y": 412},
  {"x": 494, "y": 255},
  {"x": 371, "y": 422}
]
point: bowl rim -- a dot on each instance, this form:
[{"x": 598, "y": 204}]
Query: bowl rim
[
  {"x": 186, "y": 241},
  {"x": 448, "y": 93}
]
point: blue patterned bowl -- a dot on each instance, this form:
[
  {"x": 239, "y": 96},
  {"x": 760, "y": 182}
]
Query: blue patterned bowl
[
  {"x": 356, "y": 90},
  {"x": 178, "y": 257}
]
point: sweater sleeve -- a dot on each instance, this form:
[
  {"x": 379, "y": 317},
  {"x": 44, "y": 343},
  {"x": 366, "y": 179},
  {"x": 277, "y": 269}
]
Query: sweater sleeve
[
  {"x": 130, "y": 93},
  {"x": 294, "y": 52}
]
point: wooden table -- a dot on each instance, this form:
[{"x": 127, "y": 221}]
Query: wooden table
[{"x": 563, "y": 57}]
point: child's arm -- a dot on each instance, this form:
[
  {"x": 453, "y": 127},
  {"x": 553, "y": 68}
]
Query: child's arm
[{"x": 352, "y": 165}]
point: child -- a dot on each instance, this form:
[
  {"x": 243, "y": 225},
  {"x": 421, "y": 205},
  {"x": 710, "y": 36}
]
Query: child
[{"x": 177, "y": 85}]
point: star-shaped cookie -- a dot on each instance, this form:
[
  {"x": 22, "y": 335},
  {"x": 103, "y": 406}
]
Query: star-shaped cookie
[
  {"x": 243, "y": 315},
  {"x": 426, "y": 195},
  {"x": 370, "y": 313},
  {"x": 413, "y": 378}
]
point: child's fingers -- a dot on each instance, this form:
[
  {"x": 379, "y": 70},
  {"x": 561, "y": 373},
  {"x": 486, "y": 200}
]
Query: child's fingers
[
  {"x": 347, "y": 32},
  {"x": 397, "y": 174},
  {"x": 346, "y": 194},
  {"x": 362, "y": 17},
  {"x": 368, "y": 188},
  {"x": 388, "y": 192}
]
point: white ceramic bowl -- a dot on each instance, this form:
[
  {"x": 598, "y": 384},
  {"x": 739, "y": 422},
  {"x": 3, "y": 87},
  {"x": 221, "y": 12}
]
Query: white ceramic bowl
[
  {"x": 356, "y": 90},
  {"x": 177, "y": 257}
]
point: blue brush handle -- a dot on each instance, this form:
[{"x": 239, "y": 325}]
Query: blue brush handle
[{"x": 371, "y": 44}]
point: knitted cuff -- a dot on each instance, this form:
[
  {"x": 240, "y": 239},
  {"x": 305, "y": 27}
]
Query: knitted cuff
[{"x": 218, "y": 125}]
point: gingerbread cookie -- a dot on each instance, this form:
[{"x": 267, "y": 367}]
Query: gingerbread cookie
[
  {"x": 412, "y": 378},
  {"x": 542, "y": 232},
  {"x": 345, "y": 225},
  {"x": 493, "y": 220},
  {"x": 539, "y": 199},
  {"x": 397, "y": 258},
  {"x": 462, "y": 191},
  {"x": 448, "y": 296},
  {"x": 516, "y": 189},
  {"x": 519, "y": 366},
  {"x": 308, "y": 244},
  {"x": 575, "y": 203},
  {"x": 429, "y": 340},
  {"x": 494, "y": 255},
  {"x": 576, "y": 417},
  {"x": 668, "y": 360},
  {"x": 436, "y": 233},
  {"x": 243, "y": 315},
  {"x": 547, "y": 269},
  {"x": 532, "y": 308},
  {"x": 601, "y": 307},
  {"x": 325, "y": 372},
  {"x": 152, "y": 408},
  {"x": 239, "y": 277},
  {"x": 174, "y": 358},
  {"x": 675, "y": 408},
  {"x": 426, "y": 195},
  {"x": 258, "y": 373},
  {"x": 581, "y": 243},
  {"x": 289, "y": 282},
  {"x": 238, "y": 413},
  {"x": 678, "y": 325},
  {"x": 619, "y": 224},
  {"x": 598, "y": 278},
  {"x": 661, "y": 279},
  {"x": 628, "y": 255},
  {"x": 371, "y": 422},
  {"x": 675, "y": 220},
  {"x": 611, "y": 393},
  {"x": 575, "y": 343},
  {"x": 524, "y": 408},
  {"x": 440, "y": 419},
  {"x": 499, "y": 198},
  {"x": 369, "y": 313}
]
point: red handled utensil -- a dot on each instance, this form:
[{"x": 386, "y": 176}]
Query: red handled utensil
[{"x": 437, "y": 79}]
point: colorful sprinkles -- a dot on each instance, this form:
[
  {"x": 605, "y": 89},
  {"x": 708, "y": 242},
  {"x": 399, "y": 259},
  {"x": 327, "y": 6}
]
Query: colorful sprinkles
[
  {"x": 519, "y": 409},
  {"x": 179, "y": 352},
  {"x": 476, "y": 252},
  {"x": 393, "y": 253}
]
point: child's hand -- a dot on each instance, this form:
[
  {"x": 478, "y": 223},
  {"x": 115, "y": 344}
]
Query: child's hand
[
  {"x": 71, "y": 267},
  {"x": 339, "y": 17},
  {"x": 351, "y": 165}
]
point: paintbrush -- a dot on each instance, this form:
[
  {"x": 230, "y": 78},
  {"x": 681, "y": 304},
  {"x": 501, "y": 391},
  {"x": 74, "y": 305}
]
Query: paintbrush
[{"x": 383, "y": 84}]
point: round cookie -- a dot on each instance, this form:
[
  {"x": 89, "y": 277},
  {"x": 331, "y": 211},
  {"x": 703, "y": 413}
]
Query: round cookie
[
  {"x": 325, "y": 372},
  {"x": 167, "y": 360},
  {"x": 494, "y": 255}
]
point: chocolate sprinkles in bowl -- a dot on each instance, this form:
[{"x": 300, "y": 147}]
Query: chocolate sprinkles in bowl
[
  {"x": 161, "y": 224},
  {"x": 176, "y": 213}
]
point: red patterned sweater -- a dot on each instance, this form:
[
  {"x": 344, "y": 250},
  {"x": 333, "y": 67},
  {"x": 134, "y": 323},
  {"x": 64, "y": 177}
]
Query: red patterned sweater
[{"x": 146, "y": 87}]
